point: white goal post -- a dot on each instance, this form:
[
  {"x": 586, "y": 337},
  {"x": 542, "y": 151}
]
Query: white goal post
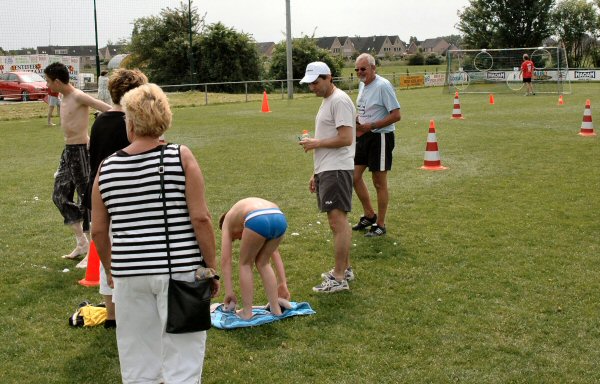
[{"x": 499, "y": 70}]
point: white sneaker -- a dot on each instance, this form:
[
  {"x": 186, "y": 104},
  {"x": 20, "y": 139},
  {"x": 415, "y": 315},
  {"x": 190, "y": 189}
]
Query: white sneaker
[
  {"x": 348, "y": 275},
  {"x": 332, "y": 285}
]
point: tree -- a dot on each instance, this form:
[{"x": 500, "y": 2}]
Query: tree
[
  {"x": 160, "y": 45},
  {"x": 575, "y": 21},
  {"x": 304, "y": 51},
  {"x": 453, "y": 39},
  {"x": 416, "y": 59},
  {"x": 227, "y": 55},
  {"x": 505, "y": 23}
]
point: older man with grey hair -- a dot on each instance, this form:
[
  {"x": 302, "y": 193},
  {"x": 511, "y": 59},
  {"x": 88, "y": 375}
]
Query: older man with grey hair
[{"x": 378, "y": 110}]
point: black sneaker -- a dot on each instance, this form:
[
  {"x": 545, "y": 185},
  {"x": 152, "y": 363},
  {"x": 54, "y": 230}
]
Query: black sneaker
[
  {"x": 376, "y": 231},
  {"x": 365, "y": 223}
]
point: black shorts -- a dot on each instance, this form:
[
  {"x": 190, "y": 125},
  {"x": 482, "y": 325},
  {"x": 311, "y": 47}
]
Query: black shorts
[
  {"x": 334, "y": 190},
  {"x": 375, "y": 151},
  {"x": 527, "y": 79}
]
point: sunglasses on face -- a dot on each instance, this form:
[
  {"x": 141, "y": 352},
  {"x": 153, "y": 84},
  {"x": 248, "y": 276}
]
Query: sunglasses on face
[{"x": 361, "y": 69}]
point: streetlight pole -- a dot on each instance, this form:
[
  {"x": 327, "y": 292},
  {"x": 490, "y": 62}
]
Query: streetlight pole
[
  {"x": 97, "y": 54},
  {"x": 290, "y": 69},
  {"x": 191, "y": 51}
]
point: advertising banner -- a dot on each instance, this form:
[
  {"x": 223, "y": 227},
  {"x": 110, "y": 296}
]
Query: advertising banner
[
  {"x": 412, "y": 80},
  {"x": 37, "y": 63}
]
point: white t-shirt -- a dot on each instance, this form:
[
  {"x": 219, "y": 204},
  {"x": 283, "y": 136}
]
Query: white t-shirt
[
  {"x": 336, "y": 110},
  {"x": 375, "y": 102}
]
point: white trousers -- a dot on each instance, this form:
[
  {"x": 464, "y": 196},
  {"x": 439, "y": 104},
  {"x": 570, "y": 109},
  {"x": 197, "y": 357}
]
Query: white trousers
[{"x": 147, "y": 354}]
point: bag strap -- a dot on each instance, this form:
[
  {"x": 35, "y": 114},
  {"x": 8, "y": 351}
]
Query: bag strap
[{"x": 161, "y": 172}]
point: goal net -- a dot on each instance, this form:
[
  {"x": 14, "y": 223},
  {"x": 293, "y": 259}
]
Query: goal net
[{"x": 499, "y": 70}]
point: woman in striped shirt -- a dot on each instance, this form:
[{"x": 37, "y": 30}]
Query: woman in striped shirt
[{"x": 127, "y": 198}]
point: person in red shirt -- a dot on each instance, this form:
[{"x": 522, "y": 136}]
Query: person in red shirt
[{"x": 527, "y": 71}]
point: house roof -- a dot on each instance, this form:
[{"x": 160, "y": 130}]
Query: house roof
[
  {"x": 264, "y": 48},
  {"x": 326, "y": 42},
  {"x": 432, "y": 43},
  {"x": 369, "y": 44},
  {"x": 74, "y": 50}
]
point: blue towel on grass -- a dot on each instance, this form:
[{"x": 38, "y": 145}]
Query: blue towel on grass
[{"x": 229, "y": 320}]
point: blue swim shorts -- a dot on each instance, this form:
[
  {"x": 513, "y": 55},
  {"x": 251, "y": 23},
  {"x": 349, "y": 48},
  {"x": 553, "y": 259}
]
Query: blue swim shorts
[{"x": 270, "y": 223}]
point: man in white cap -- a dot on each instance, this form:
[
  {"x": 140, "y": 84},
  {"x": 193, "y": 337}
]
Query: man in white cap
[{"x": 333, "y": 145}]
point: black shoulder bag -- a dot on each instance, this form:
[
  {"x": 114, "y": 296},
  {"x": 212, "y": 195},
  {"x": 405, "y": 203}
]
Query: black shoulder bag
[{"x": 188, "y": 303}]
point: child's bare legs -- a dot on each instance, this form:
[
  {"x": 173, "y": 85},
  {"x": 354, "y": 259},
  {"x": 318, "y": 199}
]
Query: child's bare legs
[
  {"x": 50, "y": 110},
  {"x": 256, "y": 249},
  {"x": 282, "y": 288},
  {"x": 263, "y": 264}
]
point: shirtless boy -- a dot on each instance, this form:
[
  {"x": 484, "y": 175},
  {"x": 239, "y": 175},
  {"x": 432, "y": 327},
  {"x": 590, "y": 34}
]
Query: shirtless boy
[
  {"x": 259, "y": 225},
  {"x": 74, "y": 168}
]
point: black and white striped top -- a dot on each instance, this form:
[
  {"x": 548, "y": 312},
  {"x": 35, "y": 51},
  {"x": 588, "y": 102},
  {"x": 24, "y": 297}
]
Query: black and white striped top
[{"x": 130, "y": 189}]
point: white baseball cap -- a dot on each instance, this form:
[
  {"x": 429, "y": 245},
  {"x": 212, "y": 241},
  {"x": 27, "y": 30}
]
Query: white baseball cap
[{"x": 313, "y": 70}]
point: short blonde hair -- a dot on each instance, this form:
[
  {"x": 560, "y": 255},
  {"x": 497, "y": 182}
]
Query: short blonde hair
[{"x": 148, "y": 108}]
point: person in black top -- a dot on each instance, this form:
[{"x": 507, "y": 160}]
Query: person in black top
[{"x": 108, "y": 136}]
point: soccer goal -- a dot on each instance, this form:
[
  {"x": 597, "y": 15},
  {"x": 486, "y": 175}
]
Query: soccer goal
[{"x": 499, "y": 70}]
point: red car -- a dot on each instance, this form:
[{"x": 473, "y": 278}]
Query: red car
[{"x": 23, "y": 85}]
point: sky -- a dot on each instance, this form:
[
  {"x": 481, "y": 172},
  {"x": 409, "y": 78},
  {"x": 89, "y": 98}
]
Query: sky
[{"x": 71, "y": 22}]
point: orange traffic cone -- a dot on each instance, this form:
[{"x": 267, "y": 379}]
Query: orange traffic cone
[
  {"x": 587, "y": 127},
  {"x": 492, "y": 99},
  {"x": 92, "y": 274},
  {"x": 456, "y": 113},
  {"x": 265, "y": 103},
  {"x": 432, "y": 155},
  {"x": 560, "y": 100}
]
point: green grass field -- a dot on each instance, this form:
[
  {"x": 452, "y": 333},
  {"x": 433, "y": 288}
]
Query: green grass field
[{"x": 489, "y": 273}]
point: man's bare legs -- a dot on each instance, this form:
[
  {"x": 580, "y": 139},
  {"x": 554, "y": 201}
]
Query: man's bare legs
[
  {"x": 381, "y": 186},
  {"x": 342, "y": 239},
  {"x": 360, "y": 187}
]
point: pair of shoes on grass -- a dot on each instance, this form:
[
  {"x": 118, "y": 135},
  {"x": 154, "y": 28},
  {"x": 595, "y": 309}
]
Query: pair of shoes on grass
[
  {"x": 366, "y": 222},
  {"x": 331, "y": 285},
  {"x": 348, "y": 274}
]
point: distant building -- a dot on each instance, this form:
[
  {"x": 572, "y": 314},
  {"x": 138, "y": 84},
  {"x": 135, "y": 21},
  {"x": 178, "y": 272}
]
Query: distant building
[
  {"x": 379, "y": 46},
  {"x": 86, "y": 53},
  {"x": 111, "y": 51},
  {"x": 266, "y": 48},
  {"x": 19, "y": 52},
  {"x": 413, "y": 47},
  {"x": 438, "y": 46}
]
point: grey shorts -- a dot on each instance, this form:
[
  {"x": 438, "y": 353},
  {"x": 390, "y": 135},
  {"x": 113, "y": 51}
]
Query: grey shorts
[
  {"x": 53, "y": 101},
  {"x": 334, "y": 190}
]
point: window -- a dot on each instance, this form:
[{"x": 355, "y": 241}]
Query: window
[{"x": 61, "y": 51}]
